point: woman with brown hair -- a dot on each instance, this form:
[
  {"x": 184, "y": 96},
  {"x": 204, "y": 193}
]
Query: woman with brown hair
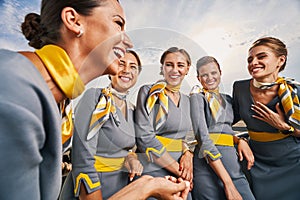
[{"x": 269, "y": 105}]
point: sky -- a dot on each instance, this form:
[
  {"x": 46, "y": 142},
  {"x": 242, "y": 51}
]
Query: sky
[{"x": 224, "y": 29}]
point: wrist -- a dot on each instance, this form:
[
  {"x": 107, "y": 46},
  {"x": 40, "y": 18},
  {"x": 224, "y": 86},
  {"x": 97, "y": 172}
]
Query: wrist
[
  {"x": 242, "y": 139},
  {"x": 187, "y": 151},
  {"x": 290, "y": 130}
]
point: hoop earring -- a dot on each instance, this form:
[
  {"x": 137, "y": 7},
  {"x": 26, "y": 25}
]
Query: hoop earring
[{"x": 80, "y": 33}]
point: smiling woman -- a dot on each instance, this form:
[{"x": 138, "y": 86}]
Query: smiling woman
[
  {"x": 162, "y": 117},
  {"x": 53, "y": 72},
  {"x": 269, "y": 105},
  {"x": 104, "y": 137}
]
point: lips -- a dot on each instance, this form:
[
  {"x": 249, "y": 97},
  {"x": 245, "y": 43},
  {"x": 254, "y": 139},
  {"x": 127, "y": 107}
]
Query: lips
[
  {"x": 119, "y": 52},
  {"x": 124, "y": 78},
  {"x": 256, "y": 69}
]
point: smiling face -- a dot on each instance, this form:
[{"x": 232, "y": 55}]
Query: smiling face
[
  {"x": 175, "y": 67},
  {"x": 263, "y": 64},
  {"x": 104, "y": 40},
  {"x": 127, "y": 74},
  {"x": 209, "y": 76}
]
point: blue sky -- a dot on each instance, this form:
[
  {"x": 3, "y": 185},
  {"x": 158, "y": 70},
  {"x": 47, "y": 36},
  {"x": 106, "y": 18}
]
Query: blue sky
[{"x": 224, "y": 29}]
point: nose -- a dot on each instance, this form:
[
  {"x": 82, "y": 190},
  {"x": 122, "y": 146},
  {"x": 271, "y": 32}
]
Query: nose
[
  {"x": 175, "y": 68},
  {"x": 126, "y": 69},
  {"x": 254, "y": 61},
  {"x": 126, "y": 41}
]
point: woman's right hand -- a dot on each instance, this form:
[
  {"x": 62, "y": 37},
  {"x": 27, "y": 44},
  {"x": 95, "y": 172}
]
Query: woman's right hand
[
  {"x": 133, "y": 165},
  {"x": 231, "y": 192}
]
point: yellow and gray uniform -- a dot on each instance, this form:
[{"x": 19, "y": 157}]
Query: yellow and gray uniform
[
  {"x": 275, "y": 174},
  {"x": 98, "y": 162},
  {"x": 167, "y": 138},
  {"x": 215, "y": 140}
]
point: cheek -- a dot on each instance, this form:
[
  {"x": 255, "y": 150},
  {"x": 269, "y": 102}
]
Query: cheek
[
  {"x": 184, "y": 71},
  {"x": 134, "y": 80}
]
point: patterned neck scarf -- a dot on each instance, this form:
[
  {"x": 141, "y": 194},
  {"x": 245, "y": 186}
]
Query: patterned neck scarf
[
  {"x": 67, "y": 120},
  {"x": 157, "y": 92},
  {"x": 101, "y": 113},
  {"x": 212, "y": 98},
  {"x": 287, "y": 93}
]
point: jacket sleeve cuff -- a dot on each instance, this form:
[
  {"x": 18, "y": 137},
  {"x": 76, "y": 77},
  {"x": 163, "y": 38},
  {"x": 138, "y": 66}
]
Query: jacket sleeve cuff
[
  {"x": 88, "y": 183},
  {"x": 150, "y": 151}
]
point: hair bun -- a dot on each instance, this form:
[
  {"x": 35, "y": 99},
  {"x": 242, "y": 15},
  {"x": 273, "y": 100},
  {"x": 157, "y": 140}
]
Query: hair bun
[{"x": 32, "y": 30}]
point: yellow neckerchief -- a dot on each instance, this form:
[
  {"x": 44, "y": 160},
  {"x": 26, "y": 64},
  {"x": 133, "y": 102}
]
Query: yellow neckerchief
[
  {"x": 287, "y": 93},
  {"x": 212, "y": 98},
  {"x": 157, "y": 91},
  {"x": 100, "y": 115},
  {"x": 62, "y": 70},
  {"x": 172, "y": 88},
  {"x": 214, "y": 103}
]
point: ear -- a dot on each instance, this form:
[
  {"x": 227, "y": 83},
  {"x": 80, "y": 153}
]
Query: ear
[
  {"x": 71, "y": 20},
  {"x": 198, "y": 77},
  {"x": 282, "y": 59},
  {"x": 188, "y": 69}
]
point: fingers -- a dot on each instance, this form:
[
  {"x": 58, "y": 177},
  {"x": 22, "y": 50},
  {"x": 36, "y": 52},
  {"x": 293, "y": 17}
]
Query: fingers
[
  {"x": 279, "y": 111},
  {"x": 131, "y": 176},
  {"x": 185, "y": 192},
  {"x": 240, "y": 155},
  {"x": 261, "y": 110},
  {"x": 250, "y": 159},
  {"x": 135, "y": 169}
]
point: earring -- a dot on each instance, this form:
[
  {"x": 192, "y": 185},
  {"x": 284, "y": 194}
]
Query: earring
[{"x": 80, "y": 33}]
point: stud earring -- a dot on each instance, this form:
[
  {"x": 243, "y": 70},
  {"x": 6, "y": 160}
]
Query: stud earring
[{"x": 80, "y": 33}]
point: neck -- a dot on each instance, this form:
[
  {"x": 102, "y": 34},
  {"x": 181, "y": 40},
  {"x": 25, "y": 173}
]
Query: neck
[{"x": 119, "y": 95}]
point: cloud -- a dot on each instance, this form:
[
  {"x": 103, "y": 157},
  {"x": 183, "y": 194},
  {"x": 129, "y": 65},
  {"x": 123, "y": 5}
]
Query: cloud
[{"x": 12, "y": 15}]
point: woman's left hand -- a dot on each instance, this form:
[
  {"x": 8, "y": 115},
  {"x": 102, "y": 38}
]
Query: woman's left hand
[
  {"x": 265, "y": 114},
  {"x": 186, "y": 166},
  {"x": 134, "y": 166}
]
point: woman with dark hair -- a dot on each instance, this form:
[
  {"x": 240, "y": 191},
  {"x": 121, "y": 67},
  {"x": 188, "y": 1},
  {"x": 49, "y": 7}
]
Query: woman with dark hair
[
  {"x": 163, "y": 120},
  {"x": 269, "y": 105},
  {"x": 104, "y": 136},
  {"x": 217, "y": 172},
  {"x": 75, "y": 42}
]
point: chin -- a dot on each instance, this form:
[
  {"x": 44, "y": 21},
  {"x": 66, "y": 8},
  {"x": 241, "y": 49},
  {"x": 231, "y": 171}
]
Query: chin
[{"x": 111, "y": 69}]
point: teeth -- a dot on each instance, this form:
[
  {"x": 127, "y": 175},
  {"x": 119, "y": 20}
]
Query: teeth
[
  {"x": 125, "y": 78},
  {"x": 255, "y": 69},
  {"x": 119, "y": 53}
]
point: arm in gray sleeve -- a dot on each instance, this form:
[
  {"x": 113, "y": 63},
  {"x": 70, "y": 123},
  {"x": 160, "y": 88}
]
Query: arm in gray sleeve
[
  {"x": 199, "y": 122},
  {"x": 144, "y": 124},
  {"x": 83, "y": 150}
]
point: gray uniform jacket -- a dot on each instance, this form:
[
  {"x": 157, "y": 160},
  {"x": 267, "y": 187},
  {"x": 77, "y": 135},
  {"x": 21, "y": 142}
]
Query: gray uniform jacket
[
  {"x": 112, "y": 141},
  {"x": 177, "y": 125},
  {"x": 30, "y": 136},
  {"x": 207, "y": 184}
]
